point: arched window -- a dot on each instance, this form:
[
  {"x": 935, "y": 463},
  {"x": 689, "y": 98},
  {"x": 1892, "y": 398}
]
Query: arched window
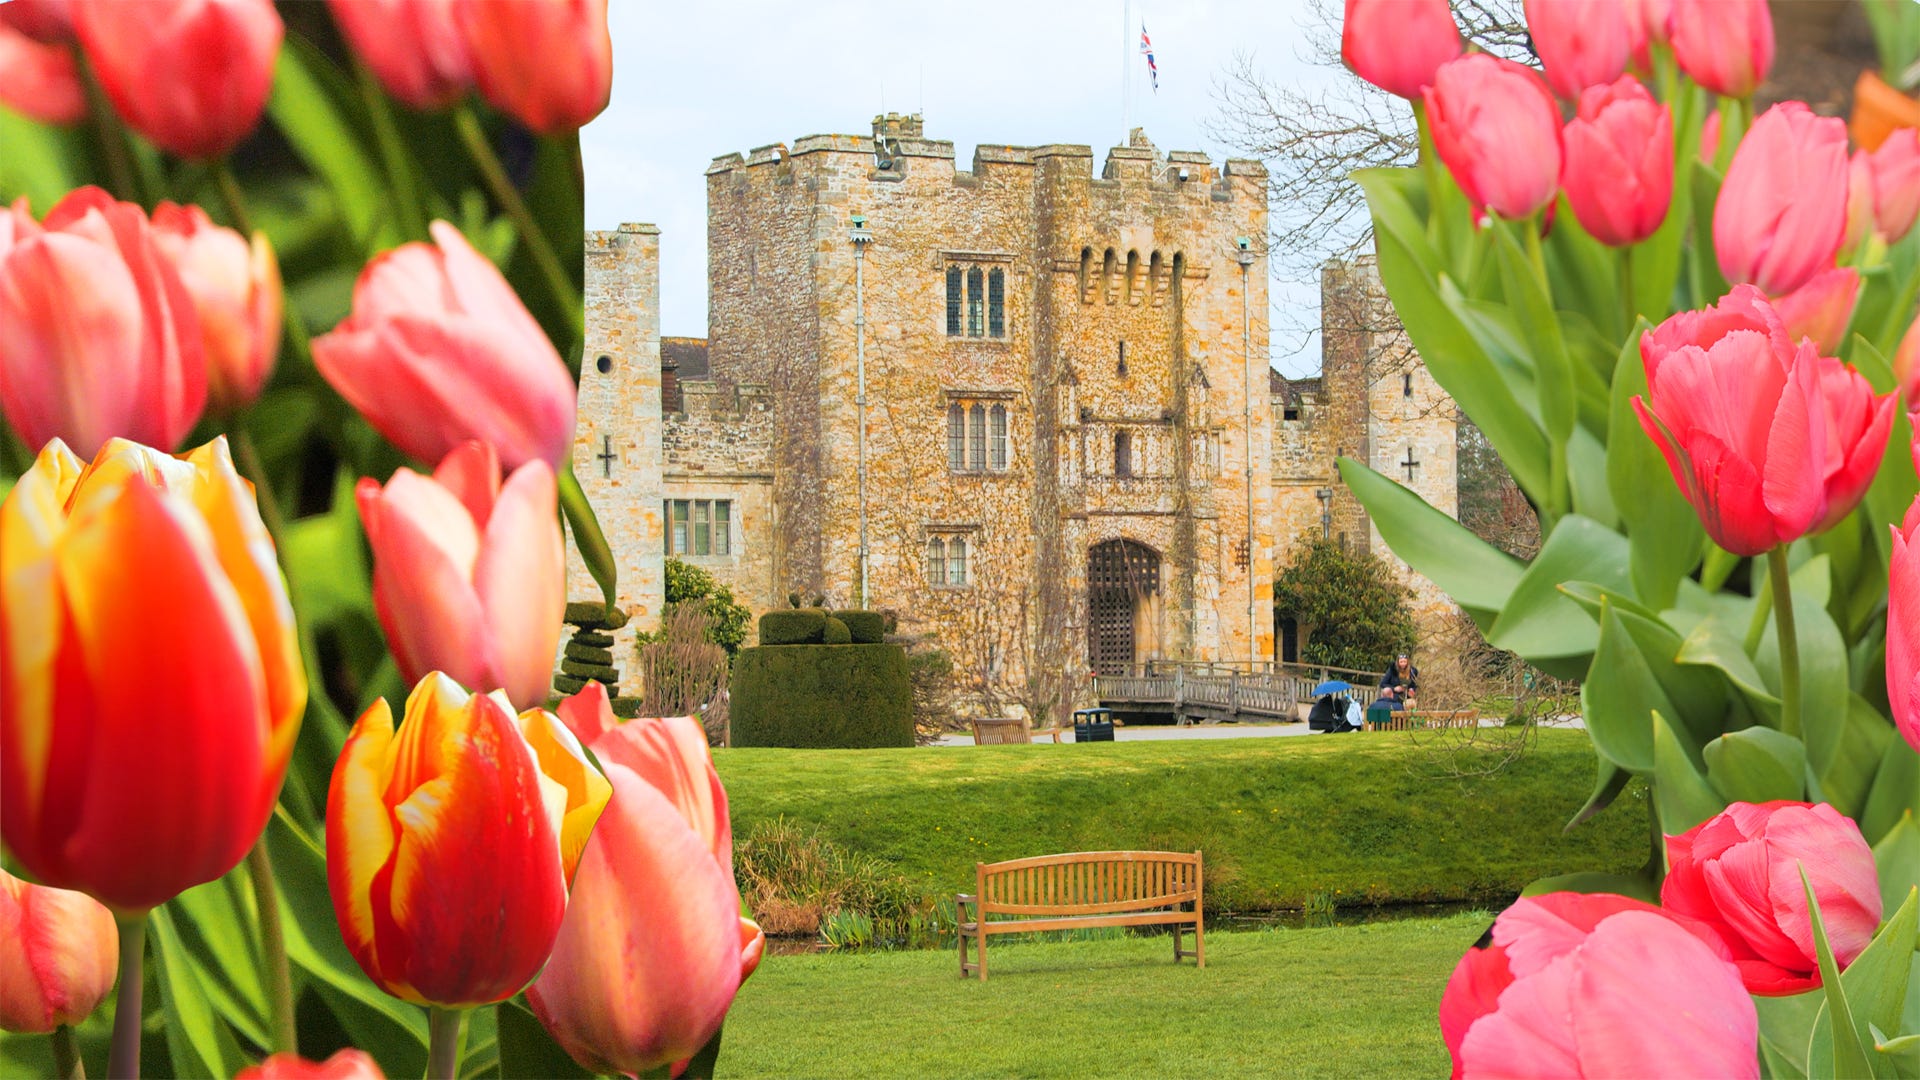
[
  {"x": 956, "y": 437},
  {"x": 957, "y": 561},
  {"x": 998, "y": 445},
  {"x": 936, "y": 561},
  {"x": 1086, "y": 275},
  {"x": 1177, "y": 281},
  {"x": 953, "y": 301},
  {"x": 1133, "y": 277},
  {"x": 977, "y": 443},
  {"x": 1106, "y": 274},
  {"x": 997, "y": 303},
  {"x": 1122, "y": 454},
  {"x": 976, "y": 303},
  {"x": 1156, "y": 272}
]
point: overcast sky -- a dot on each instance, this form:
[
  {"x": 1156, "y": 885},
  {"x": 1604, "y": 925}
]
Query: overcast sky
[{"x": 696, "y": 80}]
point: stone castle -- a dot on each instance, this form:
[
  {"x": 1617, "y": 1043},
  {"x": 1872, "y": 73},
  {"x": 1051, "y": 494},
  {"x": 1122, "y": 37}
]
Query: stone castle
[{"x": 1025, "y": 406}]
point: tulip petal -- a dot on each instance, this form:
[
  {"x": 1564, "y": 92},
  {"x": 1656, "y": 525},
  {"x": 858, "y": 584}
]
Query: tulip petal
[
  {"x": 31, "y": 520},
  {"x": 753, "y": 946},
  {"x": 426, "y": 545},
  {"x": 138, "y": 563},
  {"x": 471, "y": 471},
  {"x": 1794, "y": 487},
  {"x": 70, "y": 343},
  {"x": 360, "y": 840},
  {"x": 1528, "y": 1035},
  {"x": 521, "y": 582},
  {"x": 1647, "y": 999},
  {"x": 1738, "y": 881},
  {"x": 1473, "y": 991},
  {"x": 588, "y": 713},
  {"x": 564, "y": 761},
  {"x": 671, "y": 754}
]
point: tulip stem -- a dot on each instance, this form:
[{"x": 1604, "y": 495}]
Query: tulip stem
[
  {"x": 113, "y": 137},
  {"x": 66, "y": 1055},
  {"x": 1559, "y": 498},
  {"x": 399, "y": 172},
  {"x": 1789, "y": 642},
  {"x": 443, "y": 1048},
  {"x": 1429, "y": 171},
  {"x": 248, "y": 458},
  {"x": 1628, "y": 305},
  {"x": 123, "y": 1061},
  {"x": 531, "y": 238},
  {"x": 1762, "y": 607},
  {"x": 273, "y": 947},
  {"x": 230, "y": 197}
]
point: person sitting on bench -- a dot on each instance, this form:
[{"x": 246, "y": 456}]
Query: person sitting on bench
[{"x": 1399, "y": 685}]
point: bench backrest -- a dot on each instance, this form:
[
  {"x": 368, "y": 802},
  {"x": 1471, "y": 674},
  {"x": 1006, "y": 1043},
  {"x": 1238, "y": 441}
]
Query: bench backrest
[
  {"x": 988, "y": 731},
  {"x": 1415, "y": 718},
  {"x": 1087, "y": 882}
]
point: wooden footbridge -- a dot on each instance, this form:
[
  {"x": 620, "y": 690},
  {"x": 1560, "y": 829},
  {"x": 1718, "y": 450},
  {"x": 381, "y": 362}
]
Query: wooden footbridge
[{"x": 1211, "y": 691}]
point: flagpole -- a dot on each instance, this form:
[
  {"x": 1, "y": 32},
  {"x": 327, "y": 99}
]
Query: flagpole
[{"x": 1126, "y": 70}]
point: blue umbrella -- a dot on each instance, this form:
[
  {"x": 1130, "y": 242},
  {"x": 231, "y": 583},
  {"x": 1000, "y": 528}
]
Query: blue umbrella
[{"x": 1331, "y": 686}]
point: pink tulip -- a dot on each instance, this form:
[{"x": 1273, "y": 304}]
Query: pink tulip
[
  {"x": 235, "y": 286},
  {"x": 59, "y": 952},
  {"x": 1821, "y": 309},
  {"x": 1739, "y": 872},
  {"x": 1498, "y": 130},
  {"x": 511, "y": 45},
  {"x": 1647, "y": 26},
  {"x": 1768, "y": 442},
  {"x": 1581, "y": 43},
  {"x": 98, "y": 337},
  {"x": 469, "y": 577},
  {"x": 1619, "y": 169},
  {"x": 413, "y": 47},
  {"x": 1903, "y": 622},
  {"x": 1598, "y": 985},
  {"x": 39, "y": 80},
  {"x": 1782, "y": 212},
  {"x": 1724, "y": 45},
  {"x": 191, "y": 75},
  {"x": 1906, "y": 365},
  {"x": 1710, "y": 137},
  {"x": 1896, "y": 183},
  {"x": 439, "y": 350},
  {"x": 1859, "y": 206},
  {"x": 1397, "y": 45},
  {"x": 653, "y": 947}
]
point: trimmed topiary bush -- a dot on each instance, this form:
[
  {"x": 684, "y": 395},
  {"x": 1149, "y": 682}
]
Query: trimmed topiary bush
[
  {"x": 801, "y": 626},
  {"x": 837, "y": 632},
  {"x": 868, "y": 627},
  {"x": 822, "y": 696}
]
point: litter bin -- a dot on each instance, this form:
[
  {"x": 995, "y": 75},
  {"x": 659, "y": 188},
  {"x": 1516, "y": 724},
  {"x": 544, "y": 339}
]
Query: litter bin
[{"x": 1092, "y": 725}]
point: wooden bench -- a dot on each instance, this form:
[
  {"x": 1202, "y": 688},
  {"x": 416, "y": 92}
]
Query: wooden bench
[
  {"x": 995, "y": 730},
  {"x": 1409, "y": 719},
  {"x": 1083, "y": 889}
]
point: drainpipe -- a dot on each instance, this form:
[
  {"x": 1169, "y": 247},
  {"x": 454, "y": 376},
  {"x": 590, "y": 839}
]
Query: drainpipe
[
  {"x": 1245, "y": 257},
  {"x": 861, "y": 238}
]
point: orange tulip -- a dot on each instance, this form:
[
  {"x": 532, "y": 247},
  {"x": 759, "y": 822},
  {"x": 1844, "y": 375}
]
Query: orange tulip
[
  {"x": 511, "y": 45},
  {"x": 235, "y": 286},
  {"x": 98, "y": 337},
  {"x": 59, "y": 951},
  {"x": 451, "y": 845},
  {"x": 653, "y": 947},
  {"x": 150, "y": 681},
  {"x": 190, "y": 75},
  {"x": 348, "y": 1064}
]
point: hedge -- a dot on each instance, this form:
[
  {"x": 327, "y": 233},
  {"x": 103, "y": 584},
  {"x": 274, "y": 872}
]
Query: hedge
[
  {"x": 837, "y": 633},
  {"x": 822, "y": 696},
  {"x": 800, "y": 626},
  {"x": 868, "y": 627}
]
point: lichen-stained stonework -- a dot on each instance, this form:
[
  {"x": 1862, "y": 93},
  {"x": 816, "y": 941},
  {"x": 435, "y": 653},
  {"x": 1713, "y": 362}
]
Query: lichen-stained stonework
[{"x": 1119, "y": 341}]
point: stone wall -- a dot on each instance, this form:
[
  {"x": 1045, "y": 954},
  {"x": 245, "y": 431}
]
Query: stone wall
[{"x": 722, "y": 447}]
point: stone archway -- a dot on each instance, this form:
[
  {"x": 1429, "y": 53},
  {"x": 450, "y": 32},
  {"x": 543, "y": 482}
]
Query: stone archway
[{"x": 1123, "y": 586}]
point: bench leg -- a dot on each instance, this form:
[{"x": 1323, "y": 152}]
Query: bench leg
[
  {"x": 963, "y": 950},
  {"x": 1199, "y": 940},
  {"x": 1177, "y": 954},
  {"x": 980, "y": 948}
]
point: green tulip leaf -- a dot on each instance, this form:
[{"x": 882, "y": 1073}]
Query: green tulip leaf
[
  {"x": 43, "y": 161},
  {"x": 1757, "y": 765},
  {"x": 1786, "y": 1026},
  {"x": 1714, "y": 644},
  {"x": 1476, "y": 574},
  {"x": 1856, "y": 741},
  {"x": 1901, "y": 1055},
  {"x": 1620, "y": 884},
  {"x": 1896, "y": 790},
  {"x": 1587, "y": 477},
  {"x": 1871, "y": 992},
  {"x": 525, "y": 1047},
  {"x": 1545, "y": 627},
  {"x": 1681, "y": 795},
  {"x": 1703, "y": 269},
  {"x": 1656, "y": 260},
  {"x": 1553, "y": 368},
  {"x": 218, "y": 935},
  {"x": 1607, "y": 786},
  {"x": 1897, "y": 859},
  {"x": 587, "y": 537},
  {"x": 1619, "y": 697},
  {"x": 198, "y": 1040},
  {"x": 701, "y": 1065},
  {"x": 307, "y": 110},
  {"x": 1583, "y": 273},
  {"x": 1698, "y": 694}
]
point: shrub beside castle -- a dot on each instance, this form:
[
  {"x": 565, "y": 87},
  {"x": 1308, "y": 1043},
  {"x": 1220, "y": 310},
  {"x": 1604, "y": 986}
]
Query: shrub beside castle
[{"x": 822, "y": 679}]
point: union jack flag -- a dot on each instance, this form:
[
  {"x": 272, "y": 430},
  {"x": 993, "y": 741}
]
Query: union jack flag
[{"x": 1146, "y": 49}]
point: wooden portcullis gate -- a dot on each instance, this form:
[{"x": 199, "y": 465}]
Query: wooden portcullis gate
[{"x": 1121, "y": 576}]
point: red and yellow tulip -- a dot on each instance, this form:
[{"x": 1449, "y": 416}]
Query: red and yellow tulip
[
  {"x": 150, "y": 681},
  {"x": 463, "y": 827}
]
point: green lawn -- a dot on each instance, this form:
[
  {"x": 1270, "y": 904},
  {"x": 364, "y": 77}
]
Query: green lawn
[
  {"x": 1347, "y": 1001},
  {"x": 1372, "y": 818}
]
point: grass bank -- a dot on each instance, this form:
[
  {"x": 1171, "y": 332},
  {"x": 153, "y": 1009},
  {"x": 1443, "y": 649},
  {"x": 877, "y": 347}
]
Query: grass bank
[
  {"x": 1347, "y": 1001},
  {"x": 1370, "y": 819}
]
